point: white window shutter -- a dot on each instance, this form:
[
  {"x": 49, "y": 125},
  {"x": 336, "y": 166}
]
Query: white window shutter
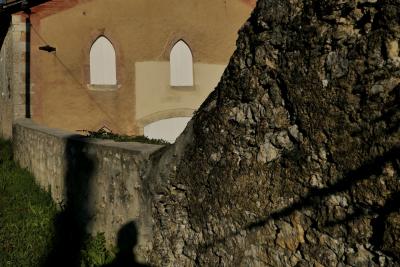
[
  {"x": 103, "y": 70},
  {"x": 181, "y": 65}
]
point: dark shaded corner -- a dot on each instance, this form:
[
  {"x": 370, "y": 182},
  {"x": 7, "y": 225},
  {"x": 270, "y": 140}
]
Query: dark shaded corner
[
  {"x": 71, "y": 223},
  {"x": 5, "y": 22},
  {"x": 127, "y": 239}
]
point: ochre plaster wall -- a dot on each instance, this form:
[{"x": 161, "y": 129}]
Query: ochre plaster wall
[
  {"x": 156, "y": 99},
  {"x": 141, "y": 31}
]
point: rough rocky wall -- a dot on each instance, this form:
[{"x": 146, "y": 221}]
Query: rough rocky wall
[
  {"x": 98, "y": 181},
  {"x": 294, "y": 159},
  {"x": 6, "y": 74}
]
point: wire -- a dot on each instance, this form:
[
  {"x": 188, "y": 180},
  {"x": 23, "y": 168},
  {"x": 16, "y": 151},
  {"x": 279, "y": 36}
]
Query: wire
[{"x": 75, "y": 79}]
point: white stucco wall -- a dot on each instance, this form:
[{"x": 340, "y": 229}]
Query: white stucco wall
[{"x": 168, "y": 129}]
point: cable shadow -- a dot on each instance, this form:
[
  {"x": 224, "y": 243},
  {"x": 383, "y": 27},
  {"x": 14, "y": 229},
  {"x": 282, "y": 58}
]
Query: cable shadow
[
  {"x": 378, "y": 224},
  {"x": 70, "y": 73},
  {"x": 70, "y": 225},
  {"x": 316, "y": 196},
  {"x": 126, "y": 242}
]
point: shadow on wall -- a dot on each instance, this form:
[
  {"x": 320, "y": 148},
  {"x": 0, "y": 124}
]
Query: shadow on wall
[
  {"x": 70, "y": 225},
  {"x": 369, "y": 171},
  {"x": 5, "y": 22},
  {"x": 127, "y": 240}
]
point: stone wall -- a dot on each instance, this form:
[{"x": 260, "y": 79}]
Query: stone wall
[
  {"x": 12, "y": 72},
  {"x": 294, "y": 159},
  {"x": 6, "y": 67},
  {"x": 99, "y": 181}
]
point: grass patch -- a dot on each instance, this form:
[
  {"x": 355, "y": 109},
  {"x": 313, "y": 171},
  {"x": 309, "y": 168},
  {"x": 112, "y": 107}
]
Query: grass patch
[
  {"x": 29, "y": 218},
  {"x": 26, "y": 215},
  {"x": 102, "y": 134}
]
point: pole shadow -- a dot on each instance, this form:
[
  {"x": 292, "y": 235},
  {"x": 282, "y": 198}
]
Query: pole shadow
[
  {"x": 70, "y": 224},
  {"x": 28, "y": 66}
]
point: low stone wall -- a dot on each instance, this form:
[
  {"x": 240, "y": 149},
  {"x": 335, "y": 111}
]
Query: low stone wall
[{"x": 100, "y": 181}]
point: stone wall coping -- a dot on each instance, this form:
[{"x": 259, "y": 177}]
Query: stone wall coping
[{"x": 135, "y": 147}]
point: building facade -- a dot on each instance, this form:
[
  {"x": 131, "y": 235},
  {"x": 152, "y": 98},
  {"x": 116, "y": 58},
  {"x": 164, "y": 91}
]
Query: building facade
[{"x": 134, "y": 67}]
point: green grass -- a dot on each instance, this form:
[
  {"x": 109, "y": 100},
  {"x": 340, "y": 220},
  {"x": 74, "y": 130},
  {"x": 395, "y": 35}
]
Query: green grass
[
  {"x": 26, "y": 215},
  {"x": 28, "y": 220}
]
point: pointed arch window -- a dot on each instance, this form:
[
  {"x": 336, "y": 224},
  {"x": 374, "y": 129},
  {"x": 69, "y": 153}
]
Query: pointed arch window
[
  {"x": 181, "y": 65},
  {"x": 103, "y": 70}
]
